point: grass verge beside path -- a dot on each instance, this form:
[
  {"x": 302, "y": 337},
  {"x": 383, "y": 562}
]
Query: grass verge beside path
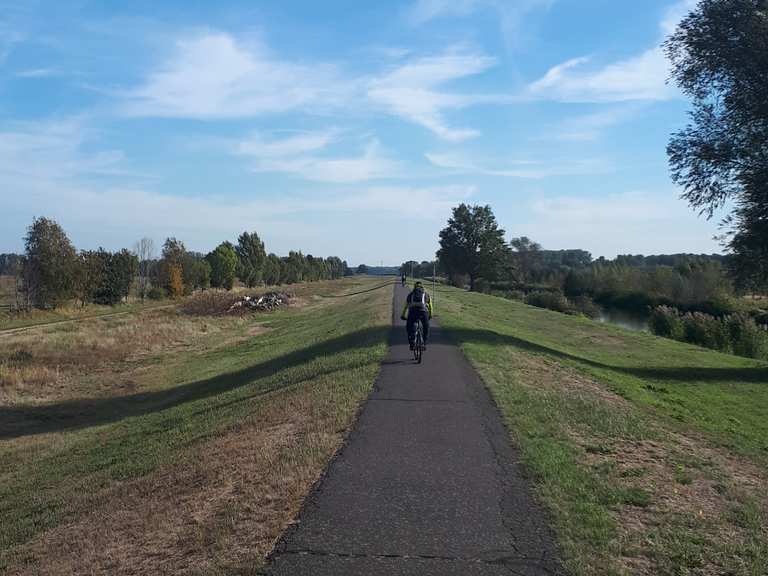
[
  {"x": 199, "y": 471},
  {"x": 651, "y": 455}
]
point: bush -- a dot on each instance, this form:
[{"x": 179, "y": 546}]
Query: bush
[
  {"x": 705, "y": 330},
  {"x": 665, "y": 321},
  {"x": 483, "y": 286},
  {"x": 737, "y": 333},
  {"x": 156, "y": 293},
  {"x": 514, "y": 295},
  {"x": 550, "y": 300},
  {"x": 747, "y": 338},
  {"x": 586, "y": 306}
]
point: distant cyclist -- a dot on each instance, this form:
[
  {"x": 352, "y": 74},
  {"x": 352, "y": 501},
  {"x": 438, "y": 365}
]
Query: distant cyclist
[
  {"x": 418, "y": 308},
  {"x": 402, "y": 280}
]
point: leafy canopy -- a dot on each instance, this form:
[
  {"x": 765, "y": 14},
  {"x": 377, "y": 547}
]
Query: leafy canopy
[
  {"x": 472, "y": 244},
  {"x": 719, "y": 56}
]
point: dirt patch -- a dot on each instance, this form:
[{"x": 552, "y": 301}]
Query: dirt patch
[
  {"x": 220, "y": 510},
  {"x": 539, "y": 371},
  {"x": 258, "y": 330}
]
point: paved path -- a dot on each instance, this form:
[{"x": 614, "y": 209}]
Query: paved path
[{"x": 427, "y": 483}]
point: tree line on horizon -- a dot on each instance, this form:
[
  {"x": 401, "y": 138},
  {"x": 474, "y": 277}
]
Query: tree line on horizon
[{"x": 52, "y": 271}]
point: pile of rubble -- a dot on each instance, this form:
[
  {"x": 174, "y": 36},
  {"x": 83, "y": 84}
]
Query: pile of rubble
[{"x": 264, "y": 303}]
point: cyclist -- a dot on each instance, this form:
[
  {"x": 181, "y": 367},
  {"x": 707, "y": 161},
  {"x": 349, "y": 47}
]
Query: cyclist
[
  {"x": 402, "y": 279},
  {"x": 418, "y": 308}
]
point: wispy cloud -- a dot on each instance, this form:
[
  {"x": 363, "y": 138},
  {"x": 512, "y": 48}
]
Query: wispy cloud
[
  {"x": 214, "y": 76},
  {"x": 422, "y": 11},
  {"x": 589, "y": 127},
  {"x": 412, "y": 91},
  {"x": 211, "y": 75},
  {"x": 632, "y": 221},
  {"x": 510, "y": 14},
  {"x": 640, "y": 77},
  {"x": 297, "y": 155},
  {"x": 524, "y": 169},
  {"x": 53, "y": 150},
  {"x": 38, "y": 73}
]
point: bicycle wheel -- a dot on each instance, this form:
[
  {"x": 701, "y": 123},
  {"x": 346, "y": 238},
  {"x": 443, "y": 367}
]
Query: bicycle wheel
[{"x": 418, "y": 347}]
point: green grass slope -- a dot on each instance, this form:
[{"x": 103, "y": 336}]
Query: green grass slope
[{"x": 651, "y": 454}]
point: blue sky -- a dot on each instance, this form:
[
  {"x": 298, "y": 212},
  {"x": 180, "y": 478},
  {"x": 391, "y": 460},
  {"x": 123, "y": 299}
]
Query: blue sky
[{"x": 342, "y": 127}]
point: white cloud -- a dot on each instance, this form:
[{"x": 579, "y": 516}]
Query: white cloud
[
  {"x": 510, "y": 14},
  {"x": 38, "y": 73},
  {"x": 630, "y": 223},
  {"x": 640, "y": 77},
  {"x": 588, "y": 127},
  {"x": 422, "y": 11},
  {"x": 45, "y": 169},
  {"x": 524, "y": 169},
  {"x": 214, "y": 76},
  {"x": 52, "y": 150},
  {"x": 412, "y": 91},
  {"x": 297, "y": 155}
]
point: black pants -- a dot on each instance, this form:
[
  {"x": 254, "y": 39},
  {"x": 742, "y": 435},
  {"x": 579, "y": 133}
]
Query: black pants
[{"x": 416, "y": 315}]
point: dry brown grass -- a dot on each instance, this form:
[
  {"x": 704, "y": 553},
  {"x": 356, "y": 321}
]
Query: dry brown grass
[
  {"x": 219, "y": 507},
  {"x": 62, "y": 361},
  {"x": 222, "y": 509}
]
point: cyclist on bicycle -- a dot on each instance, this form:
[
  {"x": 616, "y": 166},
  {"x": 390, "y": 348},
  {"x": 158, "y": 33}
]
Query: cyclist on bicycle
[
  {"x": 402, "y": 279},
  {"x": 418, "y": 308}
]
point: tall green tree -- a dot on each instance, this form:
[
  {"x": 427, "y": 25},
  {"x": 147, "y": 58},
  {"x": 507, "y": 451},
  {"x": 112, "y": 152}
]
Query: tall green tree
[
  {"x": 472, "y": 244},
  {"x": 272, "y": 270},
  {"x": 50, "y": 264},
  {"x": 223, "y": 261},
  {"x": 719, "y": 56},
  {"x": 119, "y": 273},
  {"x": 251, "y": 256},
  {"x": 89, "y": 274},
  {"x": 526, "y": 254}
]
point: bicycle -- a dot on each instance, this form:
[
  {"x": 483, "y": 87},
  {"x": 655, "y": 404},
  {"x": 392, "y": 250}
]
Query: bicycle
[{"x": 418, "y": 344}]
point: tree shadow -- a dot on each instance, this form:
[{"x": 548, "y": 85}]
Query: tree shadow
[
  {"x": 18, "y": 421},
  {"x": 676, "y": 373}
]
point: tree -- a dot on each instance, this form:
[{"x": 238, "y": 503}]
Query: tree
[
  {"x": 719, "y": 56},
  {"x": 272, "y": 270},
  {"x": 472, "y": 244},
  {"x": 223, "y": 262},
  {"x": 173, "y": 256},
  {"x": 526, "y": 253},
  {"x": 49, "y": 274},
  {"x": 145, "y": 252},
  {"x": 175, "y": 281},
  {"x": 120, "y": 270},
  {"x": 251, "y": 256},
  {"x": 89, "y": 274},
  {"x": 362, "y": 269},
  {"x": 200, "y": 274}
]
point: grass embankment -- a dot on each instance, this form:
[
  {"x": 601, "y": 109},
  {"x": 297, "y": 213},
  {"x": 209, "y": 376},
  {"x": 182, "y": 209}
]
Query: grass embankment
[
  {"x": 188, "y": 447},
  {"x": 652, "y": 455}
]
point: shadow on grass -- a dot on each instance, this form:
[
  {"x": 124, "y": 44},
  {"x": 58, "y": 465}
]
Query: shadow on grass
[
  {"x": 18, "y": 421},
  {"x": 680, "y": 374}
]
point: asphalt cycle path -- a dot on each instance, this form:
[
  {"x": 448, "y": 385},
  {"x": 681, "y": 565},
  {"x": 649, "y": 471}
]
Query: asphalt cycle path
[{"x": 426, "y": 484}]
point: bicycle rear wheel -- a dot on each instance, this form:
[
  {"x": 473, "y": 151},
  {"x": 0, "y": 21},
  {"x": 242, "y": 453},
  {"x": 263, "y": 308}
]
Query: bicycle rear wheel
[{"x": 418, "y": 347}]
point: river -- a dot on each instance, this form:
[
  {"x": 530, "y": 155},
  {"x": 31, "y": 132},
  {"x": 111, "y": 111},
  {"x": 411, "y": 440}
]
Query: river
[{"x": 628, "y": 320}]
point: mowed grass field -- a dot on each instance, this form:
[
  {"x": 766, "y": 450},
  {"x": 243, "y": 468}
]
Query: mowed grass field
[
  {"x": 651, "y": 455},
  {"x": 162, "y": 443}
]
